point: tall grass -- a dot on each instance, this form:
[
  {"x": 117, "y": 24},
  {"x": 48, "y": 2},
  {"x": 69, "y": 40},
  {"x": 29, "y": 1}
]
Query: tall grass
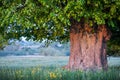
[{"x": 56, "y": 73}]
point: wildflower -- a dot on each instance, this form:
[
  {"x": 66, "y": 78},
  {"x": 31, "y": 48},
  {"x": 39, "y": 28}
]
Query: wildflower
[
  {"x": 33, "y": 71},
  {"x": 18, "y": 72},
  {"x": 52, "y": 75}
]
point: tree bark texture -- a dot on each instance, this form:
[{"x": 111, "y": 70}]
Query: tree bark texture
[{"x": 88, "y": 47}]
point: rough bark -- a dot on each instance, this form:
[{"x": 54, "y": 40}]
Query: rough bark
[{"x": 88, "y": 47}]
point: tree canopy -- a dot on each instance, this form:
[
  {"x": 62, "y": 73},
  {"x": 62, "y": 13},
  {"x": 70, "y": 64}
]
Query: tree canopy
[{"x": 50, "y": 19}]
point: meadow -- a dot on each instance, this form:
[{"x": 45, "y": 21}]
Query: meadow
[{"x": 49, "y": 68}]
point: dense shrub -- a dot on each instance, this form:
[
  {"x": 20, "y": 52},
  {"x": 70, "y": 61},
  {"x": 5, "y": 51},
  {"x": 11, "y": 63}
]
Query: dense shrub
[
  {"x": 113, "y": 46},
  {"x": 51, "y": 51},
  {"x": 113, "y": 50},
  {"x": 10, "y": 53}
]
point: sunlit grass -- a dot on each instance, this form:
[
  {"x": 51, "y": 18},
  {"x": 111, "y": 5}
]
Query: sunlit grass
[
  {"x": 56, "y": 73},
  {"x": 49, "y": 68}
]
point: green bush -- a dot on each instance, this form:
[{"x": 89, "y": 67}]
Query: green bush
[
  {"x": 113, "y": 49},
  {"x": 51, "y": 51},
  {"x": 9, "y": 53}
]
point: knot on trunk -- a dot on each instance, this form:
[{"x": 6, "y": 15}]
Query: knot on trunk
[{"x": 106, "y": 32}]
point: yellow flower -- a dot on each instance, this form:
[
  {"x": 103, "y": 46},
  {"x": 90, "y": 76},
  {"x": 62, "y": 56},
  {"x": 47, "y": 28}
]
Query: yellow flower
[
  {"x": 52, "y": 75},
  {"x": 18, "y": 72},
  {"x": 33, "y": 71},
  {"x": 38, "y": 69}
]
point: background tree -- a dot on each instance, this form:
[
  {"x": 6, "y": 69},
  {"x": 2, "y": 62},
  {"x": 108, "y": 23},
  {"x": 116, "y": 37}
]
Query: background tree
[
  {"x": 114, "y": 43},
  {"x": 86, "y": 20}
]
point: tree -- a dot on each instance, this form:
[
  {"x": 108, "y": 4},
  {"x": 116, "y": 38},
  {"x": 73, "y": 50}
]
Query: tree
[
  {"x": 88, "y": 22},
  {"x": 113, "y": 48}
]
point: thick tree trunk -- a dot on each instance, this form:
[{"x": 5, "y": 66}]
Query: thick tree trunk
[{"x": 88, "y": 48}]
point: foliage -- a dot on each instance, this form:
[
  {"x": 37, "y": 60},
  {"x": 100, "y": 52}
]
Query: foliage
[
  {"x": 54, "y": 50},
  {"x": 54, "y": 73},
  {"x": 51, "y": 51},
  {"x": 3, "y": 42},
  {"x": 114, "y": 47},
  {"x": 114, "y": 43},
  {"x": 10, "y": 53},
  {"x": 35, "y": 48},
  {"x": 51, "y": 19}
]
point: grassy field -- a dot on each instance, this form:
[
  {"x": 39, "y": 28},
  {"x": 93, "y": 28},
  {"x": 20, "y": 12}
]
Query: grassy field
[
  {"x": 30, "y": 61},
  {"x": 49, "y": 68}
]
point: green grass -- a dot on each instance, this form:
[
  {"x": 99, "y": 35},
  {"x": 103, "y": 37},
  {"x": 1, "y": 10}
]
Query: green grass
[
  {"x": 56, "y": 73},
  {"x": 30, "y": 61},
  {"x": 49, "y": 68}
]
